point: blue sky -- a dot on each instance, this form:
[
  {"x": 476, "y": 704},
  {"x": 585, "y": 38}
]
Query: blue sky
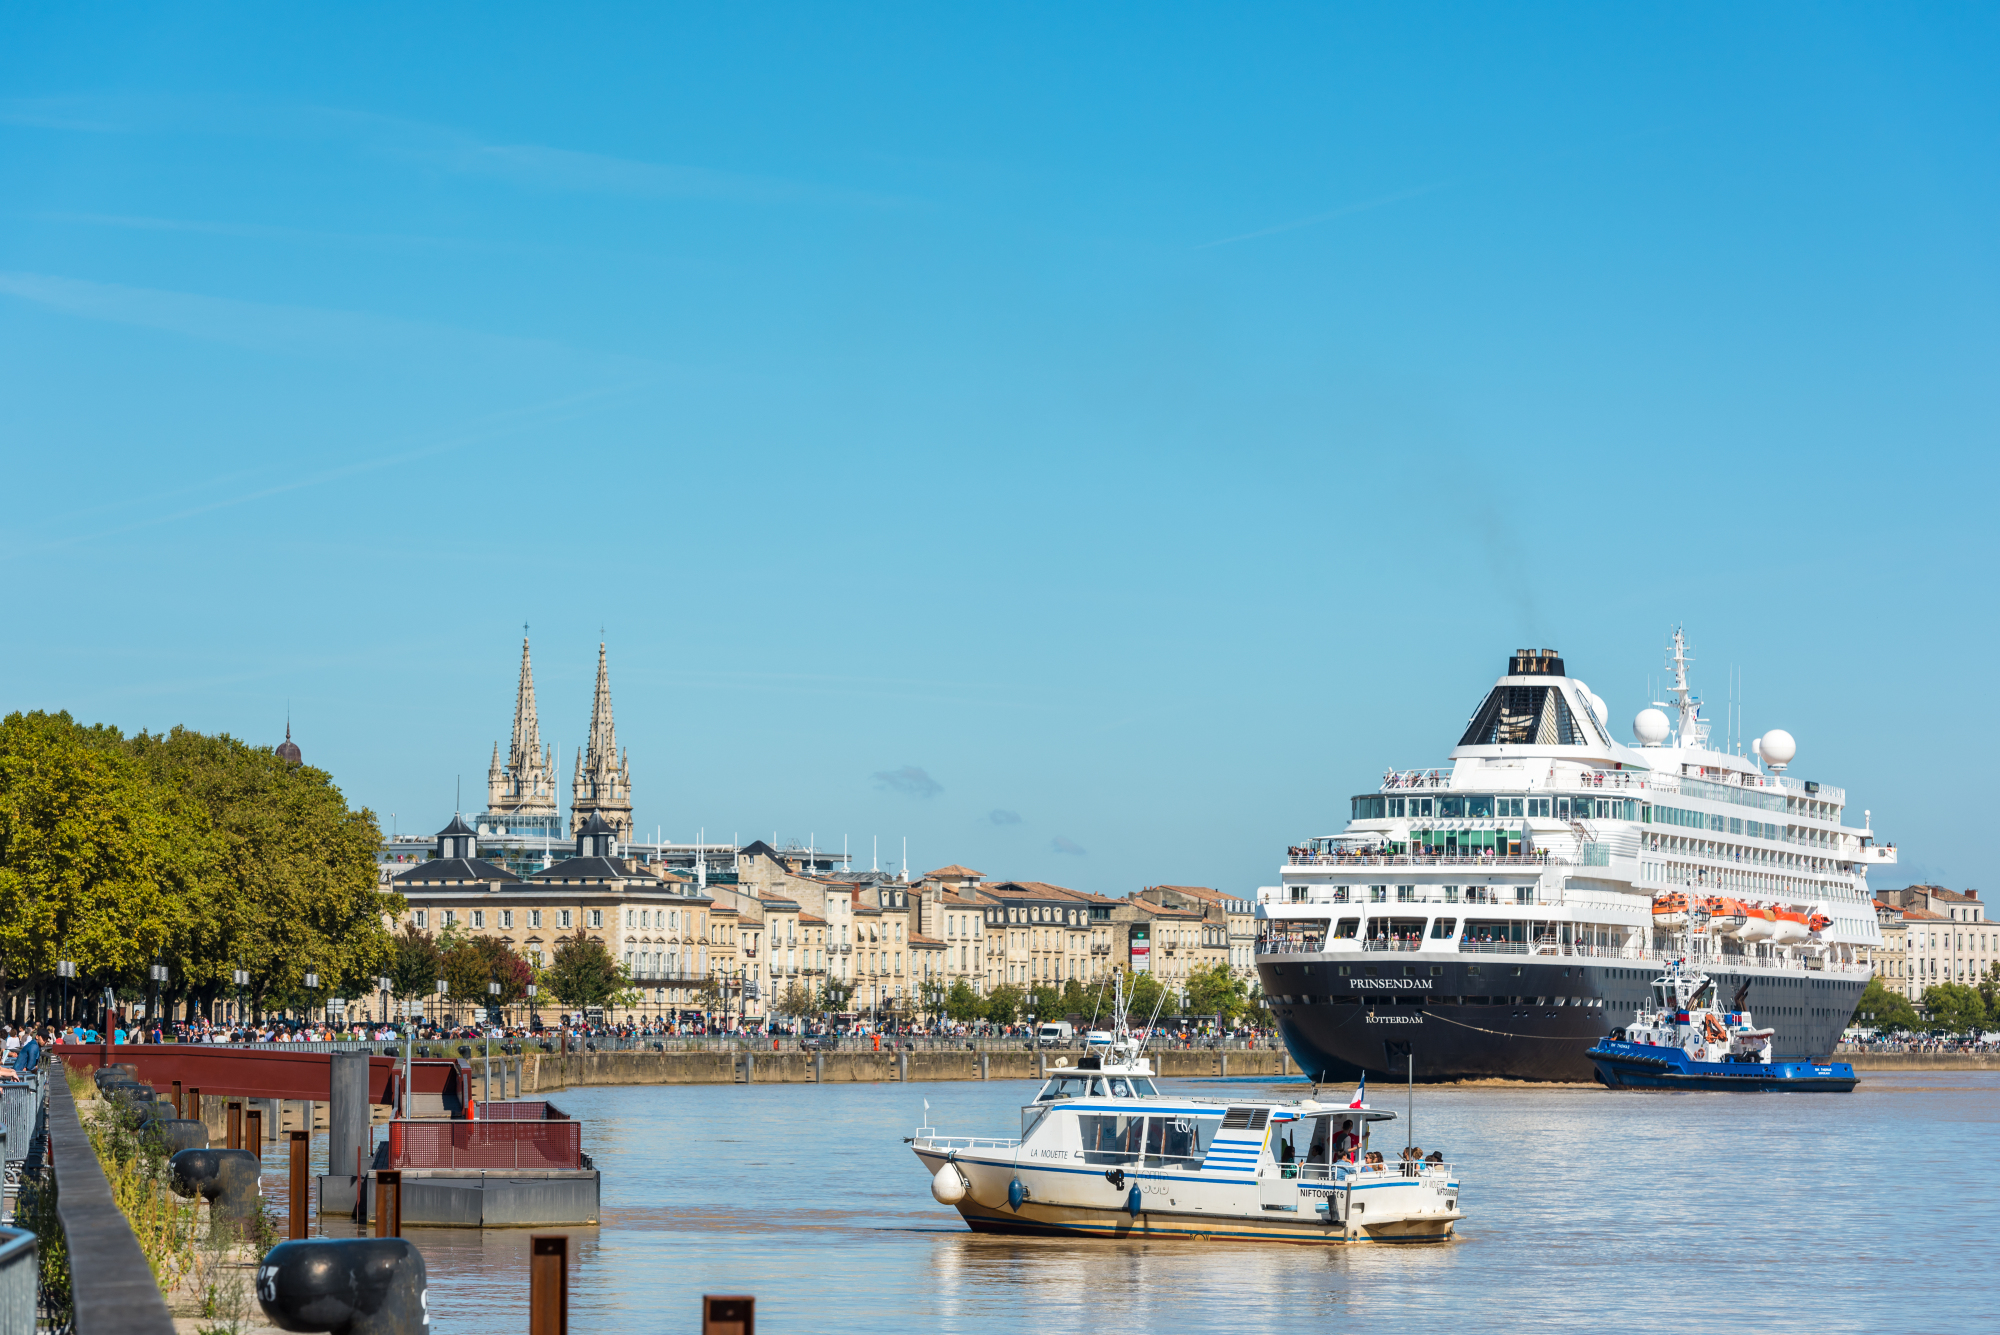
[{"x": 1146, "y": 422}]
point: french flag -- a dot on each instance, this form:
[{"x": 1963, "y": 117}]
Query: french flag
[{"x": 1360, "y": 1092}]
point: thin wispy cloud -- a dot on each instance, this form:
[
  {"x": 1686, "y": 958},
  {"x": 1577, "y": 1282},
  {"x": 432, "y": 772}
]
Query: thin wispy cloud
[
  {"x": 1066, "y": 846},
  {"x": 1000, "y": 817},
  {"x": 1345, "y": 211},
  {"x": 263, "y": 326},
  {"x": 484, "y": 430},
  {"x": 909, "y": 781}
]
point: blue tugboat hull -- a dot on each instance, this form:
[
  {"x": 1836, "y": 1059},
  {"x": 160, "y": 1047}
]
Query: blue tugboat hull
[{"x": 1637, "y": 1066}]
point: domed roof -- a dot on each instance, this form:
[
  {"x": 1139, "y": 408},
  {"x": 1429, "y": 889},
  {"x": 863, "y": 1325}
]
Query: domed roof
[
  {"x": 457, "y": 826},
  {"x": 597, "y": 825},
  {"x": 287, "y": 750}
]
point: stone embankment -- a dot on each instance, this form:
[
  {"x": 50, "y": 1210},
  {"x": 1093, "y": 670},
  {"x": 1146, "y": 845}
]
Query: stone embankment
[
  {"x": 546, "y": 1072},
  {"x": 1921, "y": 1061}
]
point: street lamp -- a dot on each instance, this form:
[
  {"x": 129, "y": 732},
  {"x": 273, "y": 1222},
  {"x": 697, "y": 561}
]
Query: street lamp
[
  {"x": 159, "y": 975},
  {"x": 312, "y": 985},
  {"x": 385, "y": 985},
  {"x": 242, "y": 980},
  {"x": 444, "y": 990},
  {"x": 65, "y": 970}
]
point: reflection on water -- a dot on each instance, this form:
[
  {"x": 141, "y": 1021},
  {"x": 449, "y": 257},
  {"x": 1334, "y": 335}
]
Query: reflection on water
[{"x": 1597, "y": 1210}]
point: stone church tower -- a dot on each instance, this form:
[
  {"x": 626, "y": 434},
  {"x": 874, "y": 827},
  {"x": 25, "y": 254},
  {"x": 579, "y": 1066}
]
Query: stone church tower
[
  {"x": 603, "y": 777},
  {"x": 521, "y": 791}
]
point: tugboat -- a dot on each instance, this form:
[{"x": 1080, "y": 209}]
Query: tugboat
[
  {"x": 1102, "y": 1153},
  {"x": 1680, "y": 1040}
]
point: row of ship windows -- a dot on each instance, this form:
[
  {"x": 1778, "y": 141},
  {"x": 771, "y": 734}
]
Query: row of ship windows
[
  {"x": 1407, "y": 894},
  {"x": 1493, "y": 806}
]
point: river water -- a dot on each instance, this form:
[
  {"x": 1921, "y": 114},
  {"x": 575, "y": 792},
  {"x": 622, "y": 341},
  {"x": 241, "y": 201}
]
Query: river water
[{"x": 1872, "y": 1211}]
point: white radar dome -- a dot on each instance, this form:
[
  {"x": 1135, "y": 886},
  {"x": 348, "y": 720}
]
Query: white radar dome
[
  {"x": 1777, "y": 747},
  {"x": 1651, "y": 727},
  {"x": 1598, "y": 707}
]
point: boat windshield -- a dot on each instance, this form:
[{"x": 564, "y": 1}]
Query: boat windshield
[{"x": 1085, "y": 1084}]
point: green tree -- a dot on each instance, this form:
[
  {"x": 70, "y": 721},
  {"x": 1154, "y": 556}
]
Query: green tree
[
  {"x": 962, "y": 1003},
  {"x": 932, "y": 995},
  {"x": 1044, "y": 1002},
  {"x": 835, "y": 993},
  {"x": 288, "y": 886},
  {"x": 582, "y": 973},
  {"x": 1956, "y": 1008},
  {"x": 469, "y": 963},
  {"x": 1003, "y": 1004},
  {"x": 797, "y": 1002},
  {"x": 1216, "y": 991},
  {"x": 1989, "y": 992},
  {"x": 1143, "y": 996},
  {"x": 1884, "y": 1008},
  {"x": 94, "y": 867},
  {"x": 414, "y": 963}
]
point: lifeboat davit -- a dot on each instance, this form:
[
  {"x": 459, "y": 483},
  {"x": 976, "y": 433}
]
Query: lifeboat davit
[
  {"x": 1759, "y": 924},
  {"x": 1726, "y": 917},
  {"x": 1789, "y": 928},
  {"x": 1670, "y": 910}
]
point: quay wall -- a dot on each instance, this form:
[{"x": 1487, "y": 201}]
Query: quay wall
[
  {"x": 1921, "y": 1061},
  {"x": 550, "y": 1071}
]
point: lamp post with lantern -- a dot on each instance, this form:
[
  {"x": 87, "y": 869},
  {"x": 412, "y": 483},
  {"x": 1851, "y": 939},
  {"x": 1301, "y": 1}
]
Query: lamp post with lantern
[{"x": 65, "y": 970}]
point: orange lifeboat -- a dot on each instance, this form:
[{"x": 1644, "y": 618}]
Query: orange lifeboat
[
  {"x": 1727, "y": 916},
  {"x": 1670, "y": 909},
  {"x": 1818, "y": 923},
  {"x": 1790, "y": 928},
  {"x": 1759, "y": 924}
]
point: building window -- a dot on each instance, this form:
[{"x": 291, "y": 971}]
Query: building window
[
  {"x": 479, "y": 917},
  {"x": 534, "y": 917},
  {"x": 507, "y": 919},
  {"x": 564, "y": 918},
  {"x": 450, "y": 916},
  {"x": 423, "y": 918},
  {"x": 597, "y": 917},
  {"x": 631, "y": 920}
]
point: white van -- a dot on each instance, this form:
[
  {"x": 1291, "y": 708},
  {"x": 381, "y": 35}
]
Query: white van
[{"x": 1055, "y": 1034}]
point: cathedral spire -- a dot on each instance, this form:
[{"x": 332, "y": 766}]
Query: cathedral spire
[
  {"x": 527, "y": 747},
  {"x": 603, "y": 783},
  {"x": 603, "y": 736}
]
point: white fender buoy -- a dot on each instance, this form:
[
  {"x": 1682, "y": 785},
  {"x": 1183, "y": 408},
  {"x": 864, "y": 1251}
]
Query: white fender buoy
[{"x": 948, "y": 1187}]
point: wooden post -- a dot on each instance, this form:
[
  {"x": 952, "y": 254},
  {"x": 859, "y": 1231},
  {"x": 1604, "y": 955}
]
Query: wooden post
[
  {"x": 178, "y": 1112},
  {"x": 548, "y": 1284},
  {"x": 235, "y": 1124},
  {"x": 388, "y": 1203},
  {"x": 301, "y": 1201},
  {"x": 253, "y": 1132},
  {"x": 728, "y": 1314}
]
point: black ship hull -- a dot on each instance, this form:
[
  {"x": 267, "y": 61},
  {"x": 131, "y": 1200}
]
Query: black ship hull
[{"x": 1509, "y": 1017}]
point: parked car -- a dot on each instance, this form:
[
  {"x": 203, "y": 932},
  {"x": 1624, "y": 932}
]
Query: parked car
[{"x": 819, "y": 1043}]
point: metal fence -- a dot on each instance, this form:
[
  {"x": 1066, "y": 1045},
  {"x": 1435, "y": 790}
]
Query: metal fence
[
  {"x": 20, "y": 1279},
  {"x": 506, "y": 1146}
]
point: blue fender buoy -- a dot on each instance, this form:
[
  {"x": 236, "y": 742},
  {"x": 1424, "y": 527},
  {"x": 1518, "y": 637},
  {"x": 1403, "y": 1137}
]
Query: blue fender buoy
[
  {"x": 1016, "y": 1193},
  {"x": 1132, "y": 1200}
]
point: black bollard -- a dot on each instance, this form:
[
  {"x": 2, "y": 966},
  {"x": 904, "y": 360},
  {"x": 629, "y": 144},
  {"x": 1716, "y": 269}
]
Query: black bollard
[
  {"x": 349, "y": 1286},
  {"x": 180, "y": 1133},
  {"x": 226, "y": 1179}
]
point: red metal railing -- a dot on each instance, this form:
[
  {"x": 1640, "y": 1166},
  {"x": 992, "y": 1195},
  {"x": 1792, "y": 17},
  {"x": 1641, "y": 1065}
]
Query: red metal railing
[
  {"x": 522, "y": 1110},
  {"x": 504, "y": 1145}
]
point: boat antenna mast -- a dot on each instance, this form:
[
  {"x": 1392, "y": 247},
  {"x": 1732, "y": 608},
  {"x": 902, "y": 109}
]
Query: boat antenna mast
[{"x": 1693, "y": 731}]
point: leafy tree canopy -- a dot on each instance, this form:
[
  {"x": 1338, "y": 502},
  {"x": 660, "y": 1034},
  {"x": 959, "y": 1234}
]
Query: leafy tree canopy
[
  {"x": 203, "y": 852},
  {"x": 582, "y": 973},
  {"x": 1884, "y": 1007},
  {"x": 1956, "y": 1008}
]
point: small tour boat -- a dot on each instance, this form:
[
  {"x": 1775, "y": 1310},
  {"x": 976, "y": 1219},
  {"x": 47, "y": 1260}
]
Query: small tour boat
[
  {"x": 1681, "y": 1040},
  {"x": 1102, "y": 1153}
]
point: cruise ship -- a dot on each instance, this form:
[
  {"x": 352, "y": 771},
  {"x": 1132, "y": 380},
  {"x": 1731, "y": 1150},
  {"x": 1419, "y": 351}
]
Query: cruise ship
[{"x": 1496, "y": 917}]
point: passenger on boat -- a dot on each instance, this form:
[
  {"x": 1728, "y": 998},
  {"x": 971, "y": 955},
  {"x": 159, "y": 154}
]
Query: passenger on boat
[
  {"x": 1374, "y": 1158},
  {"x": 1346, "y": 1142},
  {"x": 1435, "y": 1156}
]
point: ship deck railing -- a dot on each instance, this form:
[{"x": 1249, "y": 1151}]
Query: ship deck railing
[
  {"x": 968, "y": 1142},
  {"x": 1390, "y": 1167},
  {"x": 1637, "y": 954},
  {"x": 1423, "y": 860}
]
